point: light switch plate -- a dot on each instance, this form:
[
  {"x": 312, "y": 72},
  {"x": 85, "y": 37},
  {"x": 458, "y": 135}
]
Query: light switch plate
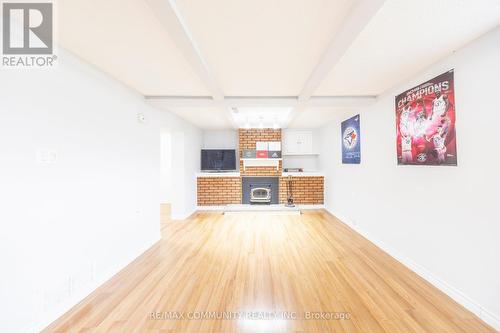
[{"x": 141, "y": 117}]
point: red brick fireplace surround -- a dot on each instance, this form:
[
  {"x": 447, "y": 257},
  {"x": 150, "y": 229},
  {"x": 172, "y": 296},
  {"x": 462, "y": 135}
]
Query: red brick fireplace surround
[{"x": 219, "y": 190}]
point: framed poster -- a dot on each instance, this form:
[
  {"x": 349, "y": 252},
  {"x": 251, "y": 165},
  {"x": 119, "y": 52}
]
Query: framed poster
[
  {"x": 351, "y": 141},
  {"x": 425, "y": 123}
]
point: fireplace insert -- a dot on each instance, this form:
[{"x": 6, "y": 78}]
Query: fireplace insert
[
  {"x": 260, "y": 190},
  {"x": 260, "y": 194}
]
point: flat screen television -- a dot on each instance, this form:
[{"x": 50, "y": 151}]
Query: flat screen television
[{"x": 218, "y": 160}]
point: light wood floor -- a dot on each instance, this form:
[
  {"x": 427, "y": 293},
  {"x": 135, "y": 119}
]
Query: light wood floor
[{"x": 263, "y": 263}]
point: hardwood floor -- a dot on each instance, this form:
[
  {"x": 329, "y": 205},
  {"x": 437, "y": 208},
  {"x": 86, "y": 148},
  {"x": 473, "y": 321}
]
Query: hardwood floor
[{"x": 269, "y": 266}]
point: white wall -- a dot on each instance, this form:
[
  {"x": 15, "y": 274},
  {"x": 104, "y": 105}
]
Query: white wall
[
  {"x": 68, "y": 226},
  {"x": 178, "y": 176},
  {"x": 186, "y": 146},
  {"x": 222, "y": 139},
  {"x": 166, "y": 168},
  {"x": 442, "y": 222},
  {"x": 307, "y": 162}
]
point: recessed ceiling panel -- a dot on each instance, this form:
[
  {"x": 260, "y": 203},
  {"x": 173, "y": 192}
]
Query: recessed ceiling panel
[
  {"x": 315, "y": 117},
  {"x": 124, "y": 39},
  {"x": 262, "y": 47},
  {"x": 201, "y": 117},
  {"x": 403, "y": 39},
  {"x": 261, "y": 117}
]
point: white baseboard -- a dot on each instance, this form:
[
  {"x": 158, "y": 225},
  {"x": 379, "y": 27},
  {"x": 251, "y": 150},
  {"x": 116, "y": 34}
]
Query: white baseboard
[
  {"x": 53, "y": 314},
  {"x": 182, "y": 215},
  {"x": 263, "y": 212},
  {"x": 210, "y": 208},
  {"x": 221, "y": 208},
  {"x": 470, "y": 304},
  {"x": 308, "y": 207}
]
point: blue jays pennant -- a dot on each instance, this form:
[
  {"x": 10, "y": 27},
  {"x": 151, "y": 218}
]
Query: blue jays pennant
[{"x": 351, "y": 141}]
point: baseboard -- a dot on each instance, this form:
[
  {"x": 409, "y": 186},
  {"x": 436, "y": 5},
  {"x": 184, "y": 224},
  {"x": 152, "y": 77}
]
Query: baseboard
[
  {"x": 76, "y": 299},
  {"x": 470, "y": 304},
  {"x": 309, "y": 207},
  {"x": 222, "y": 208},
  {"x": 183, "y": 215},
  {"x": 210, "y": 208}
]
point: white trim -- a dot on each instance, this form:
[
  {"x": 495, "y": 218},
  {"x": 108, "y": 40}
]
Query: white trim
[
  {"x": 210, "y": 208},
  {"x": 229, "y": 102},
  {"x": 222, "y": 208},
  {"x": 300, "y": 154},
  {"x": 264, "y": 212},
  {"x": 254, "y": 162},
  {"x": 340, "y": 101},
  {"x": 169, "y": 15},
  {"x": 217, "y": 174},
  {"x": 356, "y": 21},
  {"x": 183, "y": 215},
  {"x": 303, "y": 174},
  {"x": 86, "y": 290},
  {"x": 310, "y": 207},
  {"x": 460, "y": 297}
]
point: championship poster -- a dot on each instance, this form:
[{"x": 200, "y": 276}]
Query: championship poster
[
  {"x": 351, "y": 141},
  {"x": 425, "y": 122}
]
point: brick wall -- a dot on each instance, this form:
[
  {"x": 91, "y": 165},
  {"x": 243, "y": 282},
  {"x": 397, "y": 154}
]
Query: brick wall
[
  {"x": 218, "y": 191},
  {"x": 215, "y": 191},
  {"x": 248, "y": 139},
  {"x": 262, "y": 171},
  {"x": 306, "y": 190}
]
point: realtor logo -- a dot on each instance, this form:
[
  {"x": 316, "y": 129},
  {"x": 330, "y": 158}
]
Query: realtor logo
[{"x": 27, "y": 29}]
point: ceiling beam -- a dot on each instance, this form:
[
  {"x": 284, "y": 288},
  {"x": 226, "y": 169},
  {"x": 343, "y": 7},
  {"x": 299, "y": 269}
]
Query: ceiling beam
[
  {"x": 171, "y": 18},
  {"x": 355, "y": 22},
  {"x": 340, "y": 101},
  {"x": 260, "y": 101},
  {"x": 256, "y": 101}
]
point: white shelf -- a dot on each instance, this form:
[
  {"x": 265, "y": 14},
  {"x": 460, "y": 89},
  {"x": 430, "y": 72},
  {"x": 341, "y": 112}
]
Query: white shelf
[
  {"x": 300, "y": 154},
  {"x": 261, "y": 159},
  {"x": 303, "y": 174},
  {"x": 256, "y": 162},
  {"x": 217, "y": 174}
]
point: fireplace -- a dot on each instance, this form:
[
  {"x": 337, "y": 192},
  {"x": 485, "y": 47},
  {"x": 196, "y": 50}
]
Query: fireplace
[
  {"x": 260, "y": 194},
  {"x": 260, "y": 190}
]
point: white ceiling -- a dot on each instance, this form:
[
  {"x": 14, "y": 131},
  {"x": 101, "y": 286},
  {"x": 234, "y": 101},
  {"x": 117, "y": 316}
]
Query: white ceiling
[
  {"x": 266, "y": 48},
  {"x": 263, "y": 47},
  {"x": 209, "y": 118},
  {"x": 314, "y": 117},
  {"x": 262, "y": 117},
  {"x": 404, "y": 38},
  {"x": 124, "y": 39}
]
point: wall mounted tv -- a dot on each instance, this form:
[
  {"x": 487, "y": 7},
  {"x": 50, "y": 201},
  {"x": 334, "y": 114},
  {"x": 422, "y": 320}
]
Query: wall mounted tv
[{"x": 218, "y": 160}]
